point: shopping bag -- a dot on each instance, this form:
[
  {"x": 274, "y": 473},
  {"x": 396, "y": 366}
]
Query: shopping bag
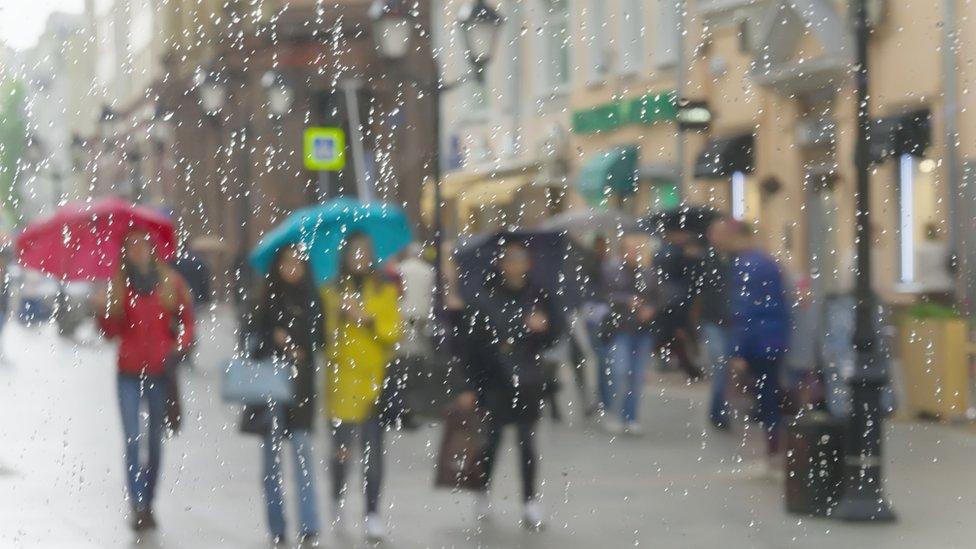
[
  {"x": 460, "y": 462},
  {"x": 248, "y": 381}
]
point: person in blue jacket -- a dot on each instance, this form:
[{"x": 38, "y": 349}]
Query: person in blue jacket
[{"x": 759, "y": 322}]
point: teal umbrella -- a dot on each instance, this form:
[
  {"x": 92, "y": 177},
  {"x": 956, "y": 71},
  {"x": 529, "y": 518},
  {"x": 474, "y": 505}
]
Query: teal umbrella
[{"x": 323, "y": 229}]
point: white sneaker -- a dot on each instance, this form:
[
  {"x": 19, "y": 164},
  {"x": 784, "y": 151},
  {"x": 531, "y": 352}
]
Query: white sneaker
[
  {"x": 482, "y": 505},
  {"x": 532, "y": 515},
  {"x": 375, "y": 529},
  {"x": 612, "y": 426},
  {"x": 634, "y": 429}
]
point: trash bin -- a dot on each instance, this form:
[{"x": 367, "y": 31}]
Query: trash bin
[
  {"x": 934, "y": 356},
  {"x": 814, "y": 463}
]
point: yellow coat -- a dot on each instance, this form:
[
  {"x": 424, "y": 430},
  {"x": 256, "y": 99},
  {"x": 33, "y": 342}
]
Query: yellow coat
[{"x": 357, "y": 355}]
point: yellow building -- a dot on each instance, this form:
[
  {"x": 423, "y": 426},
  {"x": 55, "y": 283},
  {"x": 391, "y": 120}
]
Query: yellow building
[{"x": 777, "y": 79}]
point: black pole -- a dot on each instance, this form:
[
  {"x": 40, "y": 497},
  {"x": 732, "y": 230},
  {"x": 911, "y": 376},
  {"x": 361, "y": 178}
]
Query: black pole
[
  {"x": 435, "y": 159},
  {"x": 244, "y": 213},
  {"x": 863, "y": 495}
]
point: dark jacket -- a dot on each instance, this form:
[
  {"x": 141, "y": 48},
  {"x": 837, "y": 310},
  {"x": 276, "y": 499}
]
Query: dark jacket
[
  {"x": 504, "y": 360},
  {"x": 759, "y": 312},
  {"x": 623, "y": 285},
  {"x": 712, "y": 288},
  {"x": 298, "y": 311},
  {"x": 197, "y": 276}
]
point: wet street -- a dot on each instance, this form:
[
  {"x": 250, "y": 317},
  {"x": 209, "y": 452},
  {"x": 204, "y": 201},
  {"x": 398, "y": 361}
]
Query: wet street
[{"x": 61, "y": 474}]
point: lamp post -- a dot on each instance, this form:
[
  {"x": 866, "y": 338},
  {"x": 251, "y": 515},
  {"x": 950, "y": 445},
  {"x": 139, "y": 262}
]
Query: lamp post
[
  {"x": 863, "y": 495},
  {"x": 212, "y": 89},
  {"x": 393, "y": 24}
]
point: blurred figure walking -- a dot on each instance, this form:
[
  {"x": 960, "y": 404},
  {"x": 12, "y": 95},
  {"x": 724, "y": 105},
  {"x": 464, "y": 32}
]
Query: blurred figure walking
[
  {"x": 362, "y": 328},
  {"x": 760, "y": 326},
  {"x": 633, "y": 294},
  {"x": 587, "y": 342},
  {"x": 148, "y": 307},
  {"x": 289, "y": 329},
  {"x": 713, "y": 314},
  {"x": 512, "y": 323},
  {"x": 676, "y": 264}
]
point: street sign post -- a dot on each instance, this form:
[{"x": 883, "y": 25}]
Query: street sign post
[{"x": 325, "y": 149}]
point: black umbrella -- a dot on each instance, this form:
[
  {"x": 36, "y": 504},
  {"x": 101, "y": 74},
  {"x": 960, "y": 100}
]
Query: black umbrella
[
  {"x": 553, "y": 263},
  {"x": 695, "y": 219}
]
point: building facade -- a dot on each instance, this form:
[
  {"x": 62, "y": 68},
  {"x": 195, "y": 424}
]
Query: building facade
[
  {"x": 775, "y": 77},
  {"x": 779, "y": 152},
  {"x": 229, "y": 172}
]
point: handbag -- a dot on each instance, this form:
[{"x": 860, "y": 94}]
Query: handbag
[
  {"x": 460, "y": 462},
  {"x": 249, "y": 381}
]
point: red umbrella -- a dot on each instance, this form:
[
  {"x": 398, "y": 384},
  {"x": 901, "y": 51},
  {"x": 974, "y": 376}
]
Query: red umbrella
[{"x": 83, "y": 241}]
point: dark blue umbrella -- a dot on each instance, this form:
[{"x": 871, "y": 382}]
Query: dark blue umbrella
[{"x": 554, "y": 265}]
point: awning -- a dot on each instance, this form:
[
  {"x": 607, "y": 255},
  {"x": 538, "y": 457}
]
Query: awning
[
  {"x": 614, "y": 170},
  {"x": 908, "y": 133},
  {"x": 491, "y": 191},
  {"x": 723, "y": 157}
]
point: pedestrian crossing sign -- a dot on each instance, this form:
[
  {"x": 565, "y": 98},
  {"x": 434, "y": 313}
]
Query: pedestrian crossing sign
[{"x": 325, "y": 149}]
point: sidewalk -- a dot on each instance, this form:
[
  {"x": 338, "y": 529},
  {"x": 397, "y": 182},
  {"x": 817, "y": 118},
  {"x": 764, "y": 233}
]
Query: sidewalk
[{"x": 61, "y": 474}]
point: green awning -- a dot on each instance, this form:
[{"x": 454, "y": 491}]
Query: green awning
[{"x": 613, "y": 171}]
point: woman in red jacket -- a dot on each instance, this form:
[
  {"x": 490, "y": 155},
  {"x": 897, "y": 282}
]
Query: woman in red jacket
[{"x": 148, "y": 308}]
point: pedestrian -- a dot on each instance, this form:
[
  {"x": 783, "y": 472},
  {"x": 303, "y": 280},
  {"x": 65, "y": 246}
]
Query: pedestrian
[
  {"x": 363, "y": 326},
  {"x": 675, "y": 264},
  {"x": 147, "y": 306},
  {"x": 4, "y": 299},
  {"x": 197, "y": 276},
  {"x": 587, "y": 344},
  {"x": 760, "y": 325},
  {"x": 712, "y": 308},
  {"x": 289, "y": 329},
  {"x": 634, "y": 299},
  {"x": 511, "y": 323}
]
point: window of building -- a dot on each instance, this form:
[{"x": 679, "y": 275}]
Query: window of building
[
  {"x": 917, "y": 210},
  {"x": 631, "y": 36},
  {"x": 555, "y": 38},
  {"x": 598, "y": 42},
  {"x": 668, "y": 32}
]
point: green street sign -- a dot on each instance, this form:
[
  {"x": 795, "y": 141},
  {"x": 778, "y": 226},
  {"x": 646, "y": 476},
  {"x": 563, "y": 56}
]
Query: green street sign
[{"x": 325, "y": 149}]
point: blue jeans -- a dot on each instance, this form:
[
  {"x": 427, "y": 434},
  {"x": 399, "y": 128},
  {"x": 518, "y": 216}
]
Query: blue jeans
[
  {"x": 141, "y": 476},
  {"x": 717, "y": 341},
  {"x": 602, "y": 366},
  {"x": 629, "y": 355},
  {"x": 301, "y": 446}
]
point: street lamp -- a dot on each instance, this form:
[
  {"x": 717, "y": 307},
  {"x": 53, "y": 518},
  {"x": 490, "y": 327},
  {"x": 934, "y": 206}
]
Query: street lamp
[
  {"x": 280, "y": 94},
  {"x": 863, "y": 494},
  {"x": 392, "y": 25},
  {"x": 480, "y": 24},
  {"x": 213, "y": 92}
]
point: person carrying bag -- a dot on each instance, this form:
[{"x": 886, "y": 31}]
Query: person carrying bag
[{"x": 288, "y": 329}]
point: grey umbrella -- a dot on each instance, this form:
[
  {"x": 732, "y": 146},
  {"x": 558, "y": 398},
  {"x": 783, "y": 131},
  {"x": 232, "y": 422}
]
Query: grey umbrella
[{"x": 610, "y": 222}]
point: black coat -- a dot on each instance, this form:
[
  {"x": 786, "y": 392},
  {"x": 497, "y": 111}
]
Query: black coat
[
  {"x": 298, "y": 311},
  {"x": 504, "y": 360}
]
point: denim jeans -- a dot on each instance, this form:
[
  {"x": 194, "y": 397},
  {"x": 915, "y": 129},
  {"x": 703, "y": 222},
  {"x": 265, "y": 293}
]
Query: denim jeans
[
  {"x": 716, "y": 341},
  {"x": 301, "y": 446},
  {"x": 371, "y": 444},
  {"x": 141, "y": 476},
  {"x": 629, "y": 354},
  {"x": 602, "y": 366}
]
